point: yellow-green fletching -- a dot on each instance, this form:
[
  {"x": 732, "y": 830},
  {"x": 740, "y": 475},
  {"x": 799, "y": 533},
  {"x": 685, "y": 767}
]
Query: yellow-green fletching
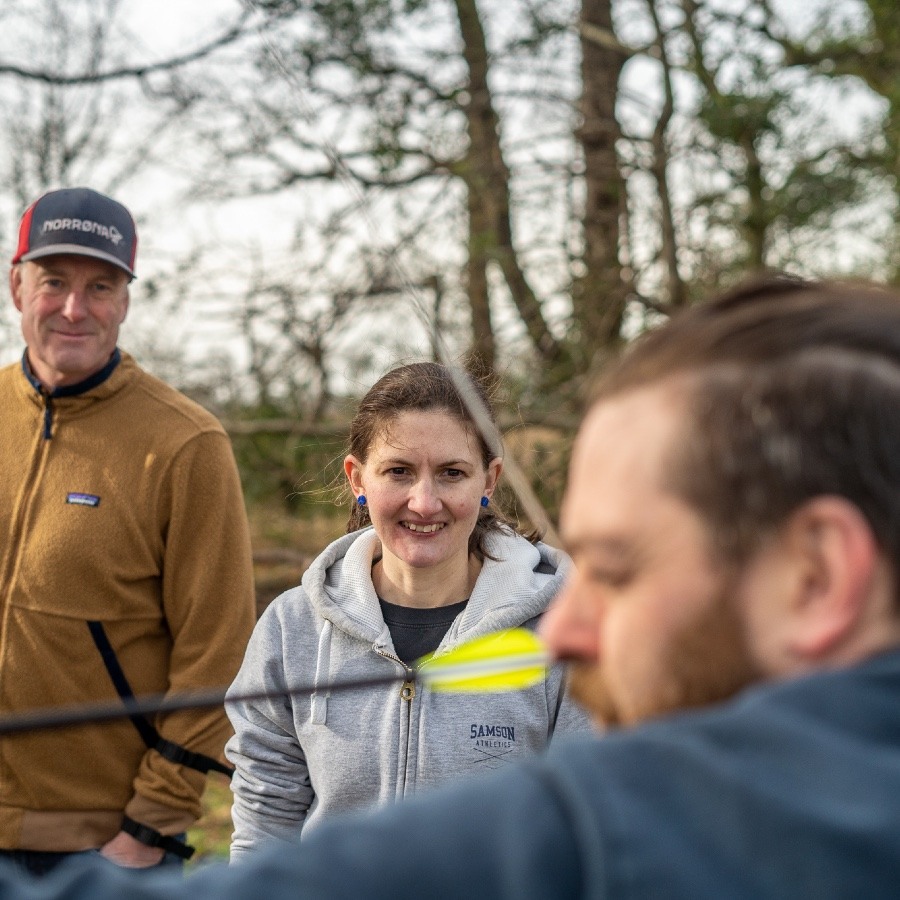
[{"x": 504, "y": 661}]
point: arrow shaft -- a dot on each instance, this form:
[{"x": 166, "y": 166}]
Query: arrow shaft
[
  {"x": 502, "y": 654},
  {"x": 153, "y": 704}
]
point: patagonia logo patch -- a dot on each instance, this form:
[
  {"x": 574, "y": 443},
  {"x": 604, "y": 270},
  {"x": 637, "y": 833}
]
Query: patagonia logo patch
[{"x": 80, "y": 499}]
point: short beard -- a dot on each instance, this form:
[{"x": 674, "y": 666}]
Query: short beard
[{"x": 707, "y": 663}]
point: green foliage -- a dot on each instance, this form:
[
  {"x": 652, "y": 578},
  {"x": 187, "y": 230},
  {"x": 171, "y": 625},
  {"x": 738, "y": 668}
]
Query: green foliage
[
  {"x": 297, "y": 472},
  {"x": 781, "y": 176},
  {"x": 211, "y": 834}
]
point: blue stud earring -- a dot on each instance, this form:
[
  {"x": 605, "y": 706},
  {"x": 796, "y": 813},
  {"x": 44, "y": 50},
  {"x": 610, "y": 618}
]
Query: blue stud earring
[
  {"x": 485, "y": 501},
  {"x": 361, "y": 499}
]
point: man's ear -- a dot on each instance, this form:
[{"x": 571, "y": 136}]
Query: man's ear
[
  {"x": 839, "y": 582},
  {"x": 15, "y": 285}
]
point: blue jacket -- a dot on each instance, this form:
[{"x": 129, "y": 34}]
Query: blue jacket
[{"x": 790, "y": 791}]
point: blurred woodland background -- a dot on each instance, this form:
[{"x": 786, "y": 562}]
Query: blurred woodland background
[{"x": 325, "y": 188}]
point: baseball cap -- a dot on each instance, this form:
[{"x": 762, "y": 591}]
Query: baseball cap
[{"x": 79, "y": 221}]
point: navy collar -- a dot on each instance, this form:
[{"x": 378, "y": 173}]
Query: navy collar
[{"x": 73, "y": 390}]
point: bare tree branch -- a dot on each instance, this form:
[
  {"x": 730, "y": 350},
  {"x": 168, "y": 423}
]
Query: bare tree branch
[{"x": 235, "y": 32}]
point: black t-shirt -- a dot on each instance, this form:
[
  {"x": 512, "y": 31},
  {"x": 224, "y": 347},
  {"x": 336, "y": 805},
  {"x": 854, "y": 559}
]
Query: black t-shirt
[{"x": 417, "y": 632}]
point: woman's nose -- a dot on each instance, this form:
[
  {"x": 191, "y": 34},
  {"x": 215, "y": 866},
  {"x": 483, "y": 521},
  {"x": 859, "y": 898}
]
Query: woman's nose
[{"x": 424, "y": 499}]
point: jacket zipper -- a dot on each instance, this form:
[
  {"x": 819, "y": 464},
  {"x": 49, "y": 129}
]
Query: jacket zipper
[{"x": 407, "y": 695}]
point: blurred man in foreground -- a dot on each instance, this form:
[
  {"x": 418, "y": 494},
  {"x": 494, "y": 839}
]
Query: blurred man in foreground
[{"x": 734, "y": 512}]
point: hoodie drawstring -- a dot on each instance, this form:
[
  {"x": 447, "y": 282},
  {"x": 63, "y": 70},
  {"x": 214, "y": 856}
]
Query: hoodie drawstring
[{"x": 319, "y": 703}]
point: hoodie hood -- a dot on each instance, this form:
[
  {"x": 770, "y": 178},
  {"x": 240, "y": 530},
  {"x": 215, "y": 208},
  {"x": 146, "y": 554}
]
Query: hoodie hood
[{"x": 513, "y": 588}]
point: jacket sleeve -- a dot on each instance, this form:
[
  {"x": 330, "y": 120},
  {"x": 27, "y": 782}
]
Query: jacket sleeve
[
  {"x": 508, "y": 838},
  {"x": 209, "y": 608},
  {"x": 271, "y": 784}
]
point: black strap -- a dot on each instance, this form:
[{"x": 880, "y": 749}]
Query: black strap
[
  {"x": 151, "y": 737},
  {"x": 152, "y": 838},
  {"x": 183, "y": 757}
]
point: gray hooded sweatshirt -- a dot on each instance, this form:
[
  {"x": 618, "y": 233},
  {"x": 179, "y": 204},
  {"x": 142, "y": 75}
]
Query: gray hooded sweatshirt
[{"x": 302, "y": 759}]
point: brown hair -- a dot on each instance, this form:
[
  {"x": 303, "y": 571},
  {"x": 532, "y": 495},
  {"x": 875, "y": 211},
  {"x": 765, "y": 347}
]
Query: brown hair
[
  {"x": 793, "y": 391},
  {"x": 424, "y": 387}
]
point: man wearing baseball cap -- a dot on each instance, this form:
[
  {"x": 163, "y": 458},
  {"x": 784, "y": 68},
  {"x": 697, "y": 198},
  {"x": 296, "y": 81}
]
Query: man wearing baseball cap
[{"x": 124, "y": 556}]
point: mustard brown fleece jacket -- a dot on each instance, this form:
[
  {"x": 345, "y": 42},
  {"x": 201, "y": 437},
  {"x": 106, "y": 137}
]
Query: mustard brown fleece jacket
[{"x": 119, "y": 502}]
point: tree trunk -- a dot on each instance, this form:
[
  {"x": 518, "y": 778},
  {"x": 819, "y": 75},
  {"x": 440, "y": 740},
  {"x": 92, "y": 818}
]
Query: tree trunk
[
  {"x": 487, "y": 178},
  {"x": 599, "y": 295},
  {"x": 483, "y": 349}
]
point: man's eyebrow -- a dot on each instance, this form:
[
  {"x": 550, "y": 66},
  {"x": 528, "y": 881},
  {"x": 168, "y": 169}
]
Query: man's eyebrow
[{"x": 108, "y": 272}]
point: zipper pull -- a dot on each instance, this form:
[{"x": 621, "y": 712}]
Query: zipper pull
[{"x": 408, "y": 691}]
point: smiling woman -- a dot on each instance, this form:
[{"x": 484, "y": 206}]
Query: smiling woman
[
  {"x": 428, "y": 564},
  {"x": 424, "y": 478}
]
